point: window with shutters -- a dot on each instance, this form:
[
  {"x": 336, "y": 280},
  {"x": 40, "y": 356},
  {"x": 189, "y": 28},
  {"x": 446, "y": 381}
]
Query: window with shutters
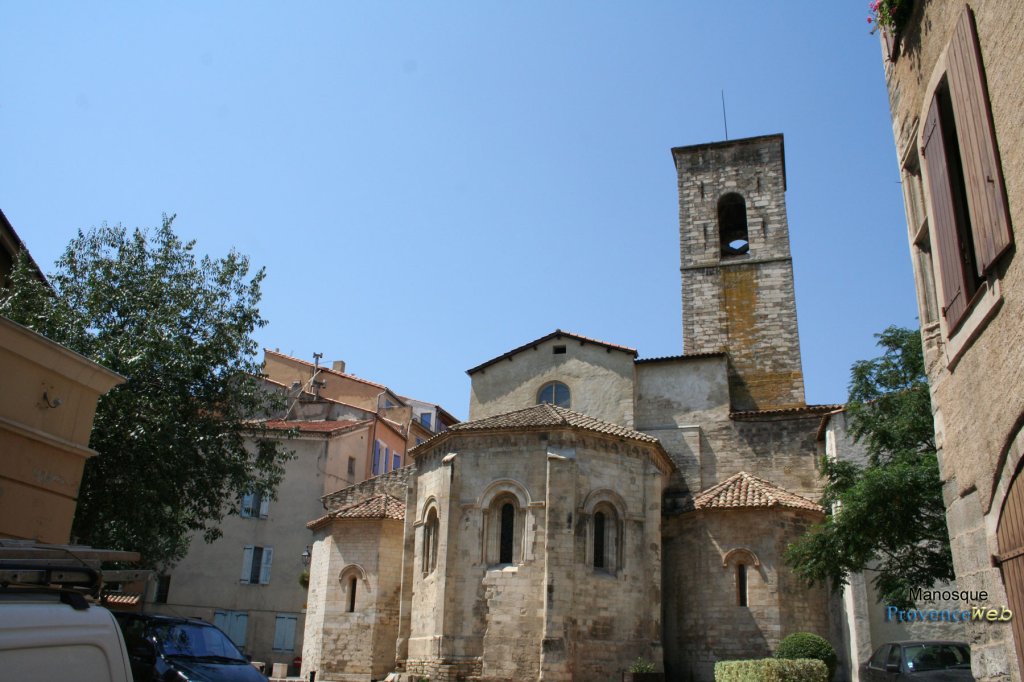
[
  {"x": 255, "y": 505},
  {"x": 256, "y": 565},
  {"x": 970, "y": 224}
]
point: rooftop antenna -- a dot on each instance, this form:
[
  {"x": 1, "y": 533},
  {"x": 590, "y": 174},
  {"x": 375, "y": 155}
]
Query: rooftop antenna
[
  {"x": 317, "y": 385},
  {"x": 725, "y": 121}
]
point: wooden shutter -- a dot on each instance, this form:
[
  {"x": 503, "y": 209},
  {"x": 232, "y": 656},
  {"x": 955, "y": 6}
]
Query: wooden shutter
[
  {"x": 983, "y": 178},
  {"x": 943, "y": 217},
  {"x": 246, "y": 563},
  {"x": 1010, "y": 536},
  {"x": 268, "y": 557},
  {"x": 265, "y": 505}
]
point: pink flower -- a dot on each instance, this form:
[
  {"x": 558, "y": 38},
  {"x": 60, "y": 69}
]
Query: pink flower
[{"x": 869, "y": 20}]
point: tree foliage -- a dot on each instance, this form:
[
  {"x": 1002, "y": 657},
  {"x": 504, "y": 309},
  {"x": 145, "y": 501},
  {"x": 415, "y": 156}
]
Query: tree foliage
[
  {"x": 172, "y": 441},
  {"x": 887, "y": 515}
]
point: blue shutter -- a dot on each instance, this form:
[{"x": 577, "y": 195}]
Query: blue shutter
[
  {"x": 376, "y": 457},
  {"x": 284, "y": 633},
  {"x": 398, "y": 461}
]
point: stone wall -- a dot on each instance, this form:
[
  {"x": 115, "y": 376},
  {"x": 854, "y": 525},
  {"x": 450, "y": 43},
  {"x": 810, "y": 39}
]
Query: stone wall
[
  {"x": 743, "y": 303},
  {"x": 344, "y": 645},
  {"x": 976, "y": 373},
  {"x": 705, "y": 623},
  {"x": 550, "y": 612},
  {"x": 684, "y": 403},
  {"x": 599, "y": 378}
]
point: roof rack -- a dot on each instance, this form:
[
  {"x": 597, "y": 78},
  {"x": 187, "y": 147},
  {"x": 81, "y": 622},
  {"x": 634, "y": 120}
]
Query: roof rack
[{"x": 28, "y": 566}]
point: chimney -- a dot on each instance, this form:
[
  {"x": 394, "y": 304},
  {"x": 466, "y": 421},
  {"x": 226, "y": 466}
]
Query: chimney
[{"x": 338, "y": 366}]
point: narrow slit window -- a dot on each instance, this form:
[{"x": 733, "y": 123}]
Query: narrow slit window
[
  {"x": 352, "y": 594},
  {"x": 741, "y": 584},
  {"x": 508, "y": 525},
  {"x": 599, "y": 529},
  {"x": 732, "y": 225}
]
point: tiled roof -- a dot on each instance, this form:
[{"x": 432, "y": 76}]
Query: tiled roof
[
  {"x": 379, "y": 506},
  {"x": 684, "y": 356},
  {"x": 744, "y": 491},
  {"x": 545, "y": 415},
  {"x": 803, "y": 409},
  {"x": 557, "y": 334},
  {"x": 328, "y": 370},
  {"x": 328, "y": 426}
]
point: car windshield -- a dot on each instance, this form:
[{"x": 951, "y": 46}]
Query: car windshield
[
  {"x": 920, "y": 657},
  {"x": 194, "y": 640}
]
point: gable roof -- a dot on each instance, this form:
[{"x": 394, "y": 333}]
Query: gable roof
[
  {"x": 745, "y": 491},
  {"x": 379, "y": 506},
  {"x": 557, "y": 334}
]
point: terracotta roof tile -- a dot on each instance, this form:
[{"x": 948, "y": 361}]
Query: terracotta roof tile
[
  {"x": 328, "y": 370},
  {"x": 557, "y": 334},
  {"x": 744, "y": 491},
  {"x": 379, "y": 506},
  {"x": 802, "y": 409},
  {"x": 546, "y": 415},
  {"x": 684, "y": 356},
  {"x": 328, "y": 426}
]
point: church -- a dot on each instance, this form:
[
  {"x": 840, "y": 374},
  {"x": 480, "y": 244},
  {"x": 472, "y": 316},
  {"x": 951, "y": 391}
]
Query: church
[{"x": 598, "y": 506}]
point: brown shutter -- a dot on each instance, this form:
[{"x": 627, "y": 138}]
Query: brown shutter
[
  {"x": 986, "y": 196},
  {"x": 943, "y": 218}
]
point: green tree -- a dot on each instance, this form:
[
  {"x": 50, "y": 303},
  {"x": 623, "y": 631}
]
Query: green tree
[
  {"x": 887, "y": 517},
  {"x": 176, "y": 445}
]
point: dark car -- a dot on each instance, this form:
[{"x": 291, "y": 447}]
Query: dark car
[
  {"x": 920, "y": 662},
  {"x": 167, "y": 649}
]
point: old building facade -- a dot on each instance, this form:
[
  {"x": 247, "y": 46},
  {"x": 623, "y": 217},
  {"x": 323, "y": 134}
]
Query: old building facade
[
  {"x": 954, "y": 78},
  {"x": 341, "y": 430},
  {"x": 599, "y": 507}
]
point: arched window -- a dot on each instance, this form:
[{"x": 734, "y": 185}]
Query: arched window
[
  {"x": 554, "y": 393},
  {"x": 504, "y": 531},
  {"x": 430, "y": 536},
  {"x": 742, "y": 559},
  {"x": 606, "y": 538},
  {"x": 732, "y": 225},
  {"x": 349, "y": 579}
]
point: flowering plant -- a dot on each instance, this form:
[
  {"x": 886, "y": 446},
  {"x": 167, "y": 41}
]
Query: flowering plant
[{"x": 890, "y": 15}]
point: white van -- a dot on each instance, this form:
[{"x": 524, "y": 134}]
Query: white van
[
  {"x": 45, "y": 639},
  {"x": 49, "y": 630}
]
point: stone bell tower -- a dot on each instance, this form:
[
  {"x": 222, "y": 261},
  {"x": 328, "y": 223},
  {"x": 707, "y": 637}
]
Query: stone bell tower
[{"x": 736, "y": 267}]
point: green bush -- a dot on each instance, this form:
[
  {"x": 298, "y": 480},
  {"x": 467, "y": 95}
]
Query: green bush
[
  {"x": 641, "y": 665},
  {"x": 807, "y": 645},
  {"x": 771, "y": 670}
]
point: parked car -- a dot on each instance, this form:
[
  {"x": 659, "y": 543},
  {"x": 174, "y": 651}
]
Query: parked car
[
  {"x": 921, "y": 661},
  {"x": 166, "y": 649}
]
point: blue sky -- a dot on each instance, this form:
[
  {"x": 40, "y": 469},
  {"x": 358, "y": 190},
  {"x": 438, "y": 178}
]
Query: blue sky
[{"x": 432, "y": 184}]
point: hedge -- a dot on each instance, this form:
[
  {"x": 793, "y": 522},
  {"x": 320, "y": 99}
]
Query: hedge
[{"x": 772, "y": 670}]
